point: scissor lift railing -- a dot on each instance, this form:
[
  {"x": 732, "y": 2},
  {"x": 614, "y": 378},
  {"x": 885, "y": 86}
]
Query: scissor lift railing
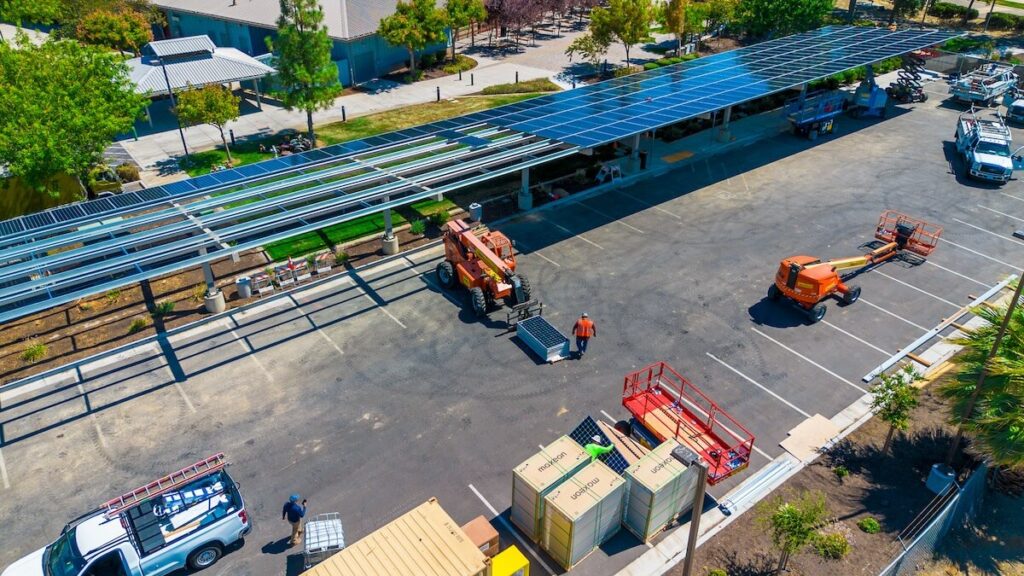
[{"x": 669, "y": 406}]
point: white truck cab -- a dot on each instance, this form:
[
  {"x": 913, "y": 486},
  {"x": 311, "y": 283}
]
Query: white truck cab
[
  {"x": 184, "y": 520},
  {"x": 984, "y": 145}
]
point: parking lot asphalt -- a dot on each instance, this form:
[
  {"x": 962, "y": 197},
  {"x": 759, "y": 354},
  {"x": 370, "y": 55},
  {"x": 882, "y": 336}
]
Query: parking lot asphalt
[{"x": 374, "y": 391}]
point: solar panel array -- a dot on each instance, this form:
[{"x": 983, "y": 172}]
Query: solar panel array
[
  {"x": 584, "y": 434},
  {"x": 619, "y": 108}
]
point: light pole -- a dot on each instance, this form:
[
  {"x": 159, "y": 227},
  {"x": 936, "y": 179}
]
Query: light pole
[
  {"x": 170, "y": 93},
  {"x": 692, "y": 459}
]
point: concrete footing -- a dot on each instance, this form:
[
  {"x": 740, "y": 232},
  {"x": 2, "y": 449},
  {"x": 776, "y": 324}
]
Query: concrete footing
[
  {"x": 390, "y": 244},
  {"x": 214, "y": 302}
]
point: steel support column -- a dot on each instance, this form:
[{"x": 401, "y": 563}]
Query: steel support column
[{"x": 525, "y": 197}]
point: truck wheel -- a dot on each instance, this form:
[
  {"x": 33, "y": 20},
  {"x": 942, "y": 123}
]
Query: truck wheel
[
  {"x": 773, "y": 293},
  {"x": 852, "y": 295},
  {"x": 478, "y": 301},
  {"x": 204, "y": 556},
  {"x": 446, "y": 274},
  {"x": 816, "y": 313}
]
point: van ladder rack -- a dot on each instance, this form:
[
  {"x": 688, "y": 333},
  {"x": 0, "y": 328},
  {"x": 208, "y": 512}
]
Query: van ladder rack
[{"x": 165, "y": 484}]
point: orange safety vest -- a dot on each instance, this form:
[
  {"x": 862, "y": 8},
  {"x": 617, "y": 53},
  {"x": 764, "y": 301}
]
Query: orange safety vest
[{"x": 584, "y": 328}]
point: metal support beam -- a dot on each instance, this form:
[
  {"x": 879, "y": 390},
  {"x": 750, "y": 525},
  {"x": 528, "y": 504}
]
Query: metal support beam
[
  {"x": 256, "y": 88},
  {"x": 211, "y": 282},
  {"x": 634, "y": 152},
  {"x": 724, "y": 134},
  {"x": 525, "y": 197}
]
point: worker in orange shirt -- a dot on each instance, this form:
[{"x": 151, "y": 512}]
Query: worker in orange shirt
[{"x": 584, "y": 329}]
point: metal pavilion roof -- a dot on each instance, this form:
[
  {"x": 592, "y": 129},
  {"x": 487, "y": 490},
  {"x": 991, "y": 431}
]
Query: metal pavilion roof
[
  {"x": 192, "y": 61},
  {"x": 60, "y": 255}
]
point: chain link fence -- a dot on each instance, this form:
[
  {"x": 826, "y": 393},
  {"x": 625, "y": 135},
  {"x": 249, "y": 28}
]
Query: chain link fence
[{"x": 955, "y": 506}]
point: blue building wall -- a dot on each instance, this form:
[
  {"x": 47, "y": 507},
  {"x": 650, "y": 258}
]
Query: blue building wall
[{"x": 361, "y": 59}]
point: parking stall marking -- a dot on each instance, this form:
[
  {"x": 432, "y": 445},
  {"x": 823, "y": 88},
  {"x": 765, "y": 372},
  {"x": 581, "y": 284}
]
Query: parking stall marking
[
  {"x": 648, "y": 204},
  {"x": 857, "y": 338},
  {"x": 580, "y": 236},
  {"x": 251, "y": 352},
  {"x": 991, "y": 233},
  {"x": 533, "y": 252},
  {"x": 512, "y": 530},
  {"x": 1001, "y": 213},
  {"x": 181, "y": 391},
  {"x": 808, "y": 360},
  {"x": 612, "y": 219},
  {"x": 985, "y": 256},
  {"x": 955, "y": 273},
  {"x": 609, "y": 417},
  {"x": 893, "y": 314},
  {"x": 1017, "y": 198},
  {"x": 756, "y": 383},
  {"x": 313, "y": 324},
  {"x": 912, "y": 287},
  {"x": 441, "y": 289}
]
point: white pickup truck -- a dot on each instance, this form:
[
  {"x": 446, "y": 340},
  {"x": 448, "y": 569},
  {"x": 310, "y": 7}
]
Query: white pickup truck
[
  {"x": 184, "y": 520},
  {"x": 984, "y": 145}
]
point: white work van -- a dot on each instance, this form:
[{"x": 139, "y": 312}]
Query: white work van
[{"x": 184, "y": 520}]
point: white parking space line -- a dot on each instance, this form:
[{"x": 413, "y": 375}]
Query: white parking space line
[
  {"x": 252, "y": 354},
  {"x": 955, "y": 273},
  {"x": 3, "y": 472},
  {"x": 512, "y": 530},
  {"x": 857, "y": 338},
  {"x": 1012, "y": 217},
  {"x": 537, "y": 253},
  {"x": 758, "y": 384},
  {"x": 383, "y": 309},
  {"x": 95, "y": 422},
  {"x": 649, "y": 205},
  {"x": 912, "y": 287},
  {"x": 609, "y": 417},
  {"x": 991, "y": 233},
  {"x": 613, "y": 219},
  {"x": 893, "y": 314},
  {"x": 985, "y": 256},
  {"x": 181, "y": 391},
  {"x": 313, "y": 324},
  {"x": 809, "y": 361},
  {"x": 580, "y": 236},
  {"x": 1017, "y": 198}
]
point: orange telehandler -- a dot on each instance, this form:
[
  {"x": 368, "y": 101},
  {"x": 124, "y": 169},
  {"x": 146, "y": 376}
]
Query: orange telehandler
[
  {"x": 807, "y": 281},
  {"x": 484, "y": 262}
]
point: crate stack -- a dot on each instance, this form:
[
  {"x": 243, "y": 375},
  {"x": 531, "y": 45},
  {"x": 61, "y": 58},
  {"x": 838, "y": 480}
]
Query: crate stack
[
  {"x": 660, "y": 489},
  {"x": 583, "y": 513},
  {"x": 537, "y": 477}
]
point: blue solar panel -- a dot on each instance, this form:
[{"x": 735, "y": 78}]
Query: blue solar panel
[
  {"x": 97, "y": 206},
  {"x": 11, "y": 226},
  {"x": 584, "y": 434},
  {"x": 204, "y": 181},
  {"x": 250, "y": 170},
  {"x": 150, "y": 194},
  {"x": 175, "y": 188}
]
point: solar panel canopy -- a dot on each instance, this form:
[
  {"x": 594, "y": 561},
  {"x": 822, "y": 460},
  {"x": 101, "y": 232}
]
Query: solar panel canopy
[{"x": 619, "y": 108}]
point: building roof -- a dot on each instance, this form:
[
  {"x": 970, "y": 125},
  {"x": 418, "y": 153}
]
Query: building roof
[
  {"x": 187, "y": 65},
  {"x": 181, "y": 46},
  {"x": 343, "y": 18}
]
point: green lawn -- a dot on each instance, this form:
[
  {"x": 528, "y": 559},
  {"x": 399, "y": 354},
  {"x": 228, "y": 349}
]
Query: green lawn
[
  {"x": 1010, "y": 4},
  {"x": 303, "y": 244},
  {"x": 427, "y": 208},
  {"x": 538, "y": 85},
  {"x": 201, "y": 162}
]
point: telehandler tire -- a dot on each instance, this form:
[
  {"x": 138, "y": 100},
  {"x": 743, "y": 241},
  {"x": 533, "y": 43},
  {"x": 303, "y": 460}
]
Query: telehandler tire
[
  {"x": 527, "y": 289},
  {"x": 446, "y": 274},
  {"x": 478, "y": 301}
]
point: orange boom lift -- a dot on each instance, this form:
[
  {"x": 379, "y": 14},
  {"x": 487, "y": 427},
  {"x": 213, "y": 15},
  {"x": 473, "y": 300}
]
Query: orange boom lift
[
  {"x": 807, "y": 281},
  {"x": 484, "y": 262}
]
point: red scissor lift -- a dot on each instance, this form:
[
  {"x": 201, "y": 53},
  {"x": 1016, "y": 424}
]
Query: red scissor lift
[{"x": 669, "y": 406}]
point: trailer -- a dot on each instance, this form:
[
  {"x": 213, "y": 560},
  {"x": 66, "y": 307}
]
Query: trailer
[
  {"x": 667, "y": 405},
  {"x": 815, "y": 113},
  {"x": 985, "y": 84}
]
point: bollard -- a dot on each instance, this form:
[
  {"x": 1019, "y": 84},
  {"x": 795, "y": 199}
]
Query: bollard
[
  {"x": 471, "y": 80},
  {"x": 438, "y": 93},
  {"x": 343, "y": 118},
  {"x": 517, "y": 76},
  {"x": 460, "y": 75},
  {"x": 573, "y": 83}
]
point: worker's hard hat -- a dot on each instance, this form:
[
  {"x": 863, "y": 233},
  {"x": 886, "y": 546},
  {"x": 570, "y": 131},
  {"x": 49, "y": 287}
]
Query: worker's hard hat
[
  {"x": 294, "y": 498},
  {"x": 596, "y": 438},
  {"x": 585, "y": 315}
]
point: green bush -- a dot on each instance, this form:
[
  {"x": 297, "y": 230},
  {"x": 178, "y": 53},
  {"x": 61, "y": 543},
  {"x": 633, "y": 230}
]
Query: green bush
[
  {"x": 841, "y": 472},
  {"x": 462, "y": 63},
  {"x": 969, "y": 44},
  {"x": 34, "y": 351},
  {"x": 717, "y": 572},
  {"x": 831, "y": 546},
  {"x": 620, "y": 72},
  {"x": 949, "y": 11},
  {"x": 163, "y": 308},
  {"x": 137, "y": 325},
  {"x": 427, "y": 61},
  {"x": 1003, "y": 21},
  {"x": 538, "y": 85},
  {"x": 418, "y": 227},
  {"x": 440, "y": 218},
  {"x": 341, "y": 256},
  {"x": 413, "y": 77},
  {"x": 869, "y": 525},
  {"x": 127, "y": 172},
  {"x": 651, "y": 66}
]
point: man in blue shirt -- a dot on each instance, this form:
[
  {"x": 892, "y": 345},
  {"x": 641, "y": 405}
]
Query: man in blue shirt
[{"x": 294, "y": 512}]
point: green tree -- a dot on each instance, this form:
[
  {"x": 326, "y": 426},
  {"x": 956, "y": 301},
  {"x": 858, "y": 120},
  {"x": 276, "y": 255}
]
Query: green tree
[
  {"x": 893, "y": 398},
  {"x": 672, "y": 16},
  {"x": 214, "y": 105},
  {"x": 462, "y": 13},
  {"x": 904, "y": 9},
  {"x": 125, "y": 30},
  {"x": 987, "y": 393},
  {"x": 589, "y": 47},
  {"x": 793, "y": 525},
  {"x": 73, "y": 12},
  {"x": 719, "y": 13},
  {"x": 766, "y": 18},
  {"x": 415, "y": 25},
  {"x": 61, "y": 105},
  {"x": 18, "y": 11},
  {"x": 628, "y": 21},
  {"x": 305, "y": 71}
]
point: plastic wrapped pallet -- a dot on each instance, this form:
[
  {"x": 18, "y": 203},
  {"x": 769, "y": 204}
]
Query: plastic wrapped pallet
[
  {"x": 660, "y": 488},
  {"x": 582, "y": 513},
  {"x": 537, "y": 476}
]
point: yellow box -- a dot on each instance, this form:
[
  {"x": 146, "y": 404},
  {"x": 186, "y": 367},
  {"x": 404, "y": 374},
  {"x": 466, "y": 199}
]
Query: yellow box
[{"x": 510, "y": 562}]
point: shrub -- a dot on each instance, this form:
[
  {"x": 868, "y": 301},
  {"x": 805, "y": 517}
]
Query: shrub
[
  {"x": 652, "y": 66},
  {"x": 34, "y": 351},
  {"x": 113, "y": 295},
  {"x": 138, "y": 324},
  {"x": 198, "y": 293},
  {"x": 1002, "y": 21},
  {"x": 968, "y": 43},
  {"x": 620, "y": 72},
  {"x": 413, "y": 77},
  {"x": 418, "y": 227},
  {"x": 127, "y": 172},
  {"x": 163, "y": 308},
  {"x": 831, "y": 546},
  {"x": 462, "y": 63},
  {"x": 341, "y": 256},
  {"x": 869, "y": 525},
  {"x": 841, "y": 472},
  {"x": 717, "y": 572},
  {"x": 440, "y": 218},
  {"x": 538, "y": 85},
  {"x": 427, "y": 60},
  {"x": 949, "y": 11}
]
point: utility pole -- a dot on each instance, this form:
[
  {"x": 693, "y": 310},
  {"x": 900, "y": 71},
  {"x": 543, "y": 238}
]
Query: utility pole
[
  {"x": 984, "y": 372},
  {"x": 692, "y": 459},
  {"x": 170, "y": 93}
]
